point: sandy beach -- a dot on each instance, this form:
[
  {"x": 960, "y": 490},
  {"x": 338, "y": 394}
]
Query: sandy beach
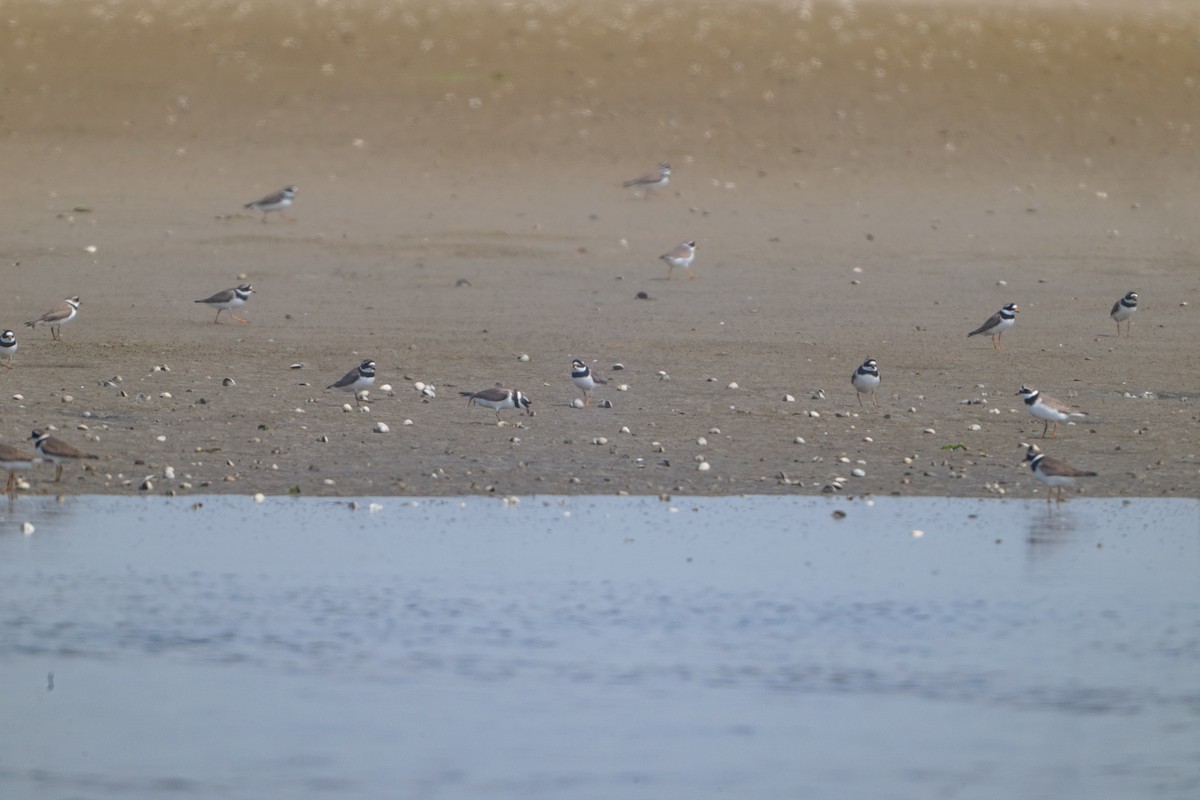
[{"x": 862, "y": 180}]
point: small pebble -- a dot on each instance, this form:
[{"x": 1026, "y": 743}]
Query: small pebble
[
  {"x": 858, "y": 472},
  {"x": 702, "y": 441},
  {"x": 577, "y": 402},
  {"x": 704, "y": 466},
  {"x": 160, "y": 438}
]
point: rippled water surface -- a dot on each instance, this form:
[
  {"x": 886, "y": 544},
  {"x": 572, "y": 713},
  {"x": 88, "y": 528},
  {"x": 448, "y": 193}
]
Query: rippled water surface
[{"x": 599, "y": 647}]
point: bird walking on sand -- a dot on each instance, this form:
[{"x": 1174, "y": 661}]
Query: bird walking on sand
[
  {"x": 1054, "y": 472},
  {"x": 228, "y": 300},
  {"x": 276, "y": 201},
  {"x": 58, "y": 316},
  {"x": 681, "y": 255},
  {"x": 1123, "y": 310},
  {"x": 57, "y": 451},
  {"x": 8, "y": 348},
  {"x": 356, "y": 380},
  {"x": 498, "y": 398},
  {"x": 1048, "y": 409},
  {"x": 866, "y": 380},
  {"x": 585, "y": 379},
  {"x": 997, "y": 324},
  {"x": 652, "y": 180},
  {"x": 15, "y": 461}
]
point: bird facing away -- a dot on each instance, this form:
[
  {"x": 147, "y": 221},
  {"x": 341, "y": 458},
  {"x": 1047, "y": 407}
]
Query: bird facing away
[
  {"x": 58, "y": 316},
  {"x": 276, "y": 201},
  {"x": 997, "y": 324},
  {"x": 228, "y": 300},
  {"x": 356, "y": 380},
  {"x": 1122, "y": 310},
  {"x": 1054, "y": 472},
  {"x": 585, "y": 379},
  {"x": 498, "y": 398},
  {"x": 652, "y": 180},
  {"x": 1048, "y": 409},
  {"x": 866, "y": 379},
  {"x": 15, "y": 461},
  {"x": 681, "y": 255},
  {"x": 57, "y": 451}
]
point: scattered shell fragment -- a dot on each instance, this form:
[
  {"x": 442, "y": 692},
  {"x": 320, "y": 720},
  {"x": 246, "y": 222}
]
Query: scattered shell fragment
[
  {"x": 347, "y": 408},
  {"x": 704, "y": 466},
  {"x": 168, "y": 473},
  {"x": 600, "y": 440},
  {"x": 228, "y": 382},
  {"x": 27, "y": 528},
  {"x": 66, "y": 398},
  {"x": 162, "y": 437},
  {"x": 702, "y": 441},
  {"x": 787, "y": 398},
  {"x": 297, "y": 365},
  {"x": 523, "y": 357},
  {"x": 858, "y": 472},
  {"x": 259, "y": 497},
  {"x": 622, "y": 387},
  {"x": 381, "y": 427},
  {"x": 733, "y": 385},
  {"x": 975, "y": 427},
  {"x": 798, "y": 440},
  {"x": 929, "y": 430},
  {"x": 917, "y": 534},
  {"x": 577, "y": 402},
  {"x": 605, "y": 404}
]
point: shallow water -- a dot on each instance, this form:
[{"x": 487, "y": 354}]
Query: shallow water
[{"x": 599, "y": 647}]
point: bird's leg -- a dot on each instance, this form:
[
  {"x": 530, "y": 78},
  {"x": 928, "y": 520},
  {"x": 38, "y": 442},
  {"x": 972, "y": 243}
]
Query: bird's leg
[
  {"x": 217, "y": 318},
  {"x": 58, "y": 473},
  {"x": 1045, "y": 427},
  {"x": 859, "y": 396},
  {"x": 874, "y": 402},
  {"x": 239, "y": 319}
]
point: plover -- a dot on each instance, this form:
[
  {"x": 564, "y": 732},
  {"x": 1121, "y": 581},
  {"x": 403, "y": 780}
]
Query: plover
[
  {"x": 866, "y": 380},
  {"x": 997, "y": 324},
  {"x": 1048, "y": 409},
  {"x": 1123, "y": 310},
  {"x": 356, "y": 380},
  {"x": 15, "y": 461},
  {"x": 1054, "y": 472},
  {"x": 652, "y": 180},
  {"x": 276, "y": 201},
  {"x": 681, "y": 255},
  {"x": 57, "y": 451},
  {"x": 585, "y": 379},
  {"x": 497, "y": 398},
  {"x": 8, "y": 348},
  {"x": 58, "y": 316},
  {"x": 228, "y": 300}
]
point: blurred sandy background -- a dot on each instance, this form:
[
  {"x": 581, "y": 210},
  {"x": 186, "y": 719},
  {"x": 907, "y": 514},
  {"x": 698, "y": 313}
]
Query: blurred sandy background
[{"x": 863, "y": 179}]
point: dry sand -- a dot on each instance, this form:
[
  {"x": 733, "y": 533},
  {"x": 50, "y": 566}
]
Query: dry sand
[{"x": 863, "y": 181}]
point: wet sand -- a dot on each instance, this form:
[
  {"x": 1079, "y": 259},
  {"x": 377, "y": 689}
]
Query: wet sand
[{"x": 862, "y": 181}]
